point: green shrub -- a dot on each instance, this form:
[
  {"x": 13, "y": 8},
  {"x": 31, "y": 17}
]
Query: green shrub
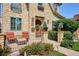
[
  {"x": 45, "y": 26},
  {"x": 37, "y": 27},
  {"x": 67, "y": 43},
  {"x": 68, "y": 35},
  {"x": 48, "y": 47},
  {"x": 76, "y": 46},
  {"x": 37, "y": 49},
  {"x": 4, "y": 52},
  {"x": 52, "y": 35}
]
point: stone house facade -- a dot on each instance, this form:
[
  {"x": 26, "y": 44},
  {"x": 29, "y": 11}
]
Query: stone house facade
[{"x": 23, "y": 17}]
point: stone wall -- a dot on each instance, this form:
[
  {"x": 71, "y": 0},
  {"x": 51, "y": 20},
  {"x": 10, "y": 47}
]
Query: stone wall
[
  {"x": 2, "y": 40},
  {"x": 26, "y": 16}
]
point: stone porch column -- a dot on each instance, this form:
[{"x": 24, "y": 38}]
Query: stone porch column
[
  {"x": 60, "y": 35},
  {"x": 45, "y": 36}
]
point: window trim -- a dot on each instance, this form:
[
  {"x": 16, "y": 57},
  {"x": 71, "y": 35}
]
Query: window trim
[{"x": 16, "y": 24}]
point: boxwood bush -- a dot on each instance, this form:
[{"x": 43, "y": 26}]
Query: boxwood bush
[
  {"x": 68, "y": 35},
  {"x": 76, "y": 46},
  {"x": 52, "y": 35},
  {"x": 67, "y": 43}
]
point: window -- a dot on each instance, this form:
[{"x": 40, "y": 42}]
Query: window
[
  {"x": 18, "y": 23},
  {"x": 16, "y": 7},
  {"x": 40, "y": 6},
  {"x": 15, "y": 23}
]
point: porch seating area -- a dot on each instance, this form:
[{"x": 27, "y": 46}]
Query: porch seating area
[
  {"x": 11, "y": 38},
  {"x": 16, "y": 42}
]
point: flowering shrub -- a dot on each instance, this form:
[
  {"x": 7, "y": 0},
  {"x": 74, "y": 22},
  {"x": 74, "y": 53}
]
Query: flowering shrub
[{"x": 37, "y": 49}]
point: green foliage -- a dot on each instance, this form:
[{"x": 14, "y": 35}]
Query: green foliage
[
  {"x": 48, "y": 47},
  {"x": 4, "y": 52},
  {"x": 68, "y": 25},
  {"x": 45, "y": 26},
  {"x": 37, "y": 27},
  {"x": 67, "y": 43},
  {"x": 52, "y": 35},
  {"x": 68, "y": 35},
  {"x": 76, "y": 46},
  {"x": 37, "y": 49}
]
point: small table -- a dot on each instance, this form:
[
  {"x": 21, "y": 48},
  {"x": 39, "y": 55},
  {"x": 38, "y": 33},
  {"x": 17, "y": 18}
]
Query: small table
[{"x": 21, "y": 40}]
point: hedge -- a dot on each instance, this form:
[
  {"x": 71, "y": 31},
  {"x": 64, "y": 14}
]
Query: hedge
[{"x": 52, "y": 35}]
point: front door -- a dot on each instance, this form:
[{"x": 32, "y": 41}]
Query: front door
[{"x": 38, "y": 24}]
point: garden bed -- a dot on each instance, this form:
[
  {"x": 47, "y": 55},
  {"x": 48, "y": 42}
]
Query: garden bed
[{"x": 40, "y": 49}]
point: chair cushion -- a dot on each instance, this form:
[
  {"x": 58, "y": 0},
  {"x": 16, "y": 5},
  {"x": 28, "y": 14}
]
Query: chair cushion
[
  {"x": 10, "y": 35},
  {"x": 25, "y": 35}
]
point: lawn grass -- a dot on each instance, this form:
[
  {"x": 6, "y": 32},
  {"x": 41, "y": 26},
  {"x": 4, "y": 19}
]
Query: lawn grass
[{"x": 55, "y": 53}]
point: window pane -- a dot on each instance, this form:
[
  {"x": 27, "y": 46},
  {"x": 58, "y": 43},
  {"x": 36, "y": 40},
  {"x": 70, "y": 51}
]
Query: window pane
[
  {"x": 16, "y": 7},
  {"x": 18, "y": 23},
  {"x": 13, "y": 23},
  {"x": 40, "y": 4}
]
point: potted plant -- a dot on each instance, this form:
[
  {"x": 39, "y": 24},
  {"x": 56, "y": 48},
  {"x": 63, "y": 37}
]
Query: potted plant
[
  {"x": 37, "y": 27},
  {"x": 45, "y": 28}
]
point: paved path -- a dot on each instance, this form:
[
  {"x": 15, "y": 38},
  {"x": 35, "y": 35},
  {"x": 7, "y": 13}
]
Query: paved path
[{"x": 63, "y": 50}]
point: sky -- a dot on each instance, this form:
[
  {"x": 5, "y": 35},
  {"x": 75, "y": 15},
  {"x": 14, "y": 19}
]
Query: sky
[{"x": 68, "y": 10}]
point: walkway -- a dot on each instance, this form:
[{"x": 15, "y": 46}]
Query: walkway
[{"x": 63, "y": 50}]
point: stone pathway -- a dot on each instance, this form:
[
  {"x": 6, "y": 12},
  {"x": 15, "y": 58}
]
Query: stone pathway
[{"x": 63, "y": 50}]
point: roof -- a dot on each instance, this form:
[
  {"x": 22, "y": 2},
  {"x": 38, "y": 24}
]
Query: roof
[{"x": 56, "y": 13}]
